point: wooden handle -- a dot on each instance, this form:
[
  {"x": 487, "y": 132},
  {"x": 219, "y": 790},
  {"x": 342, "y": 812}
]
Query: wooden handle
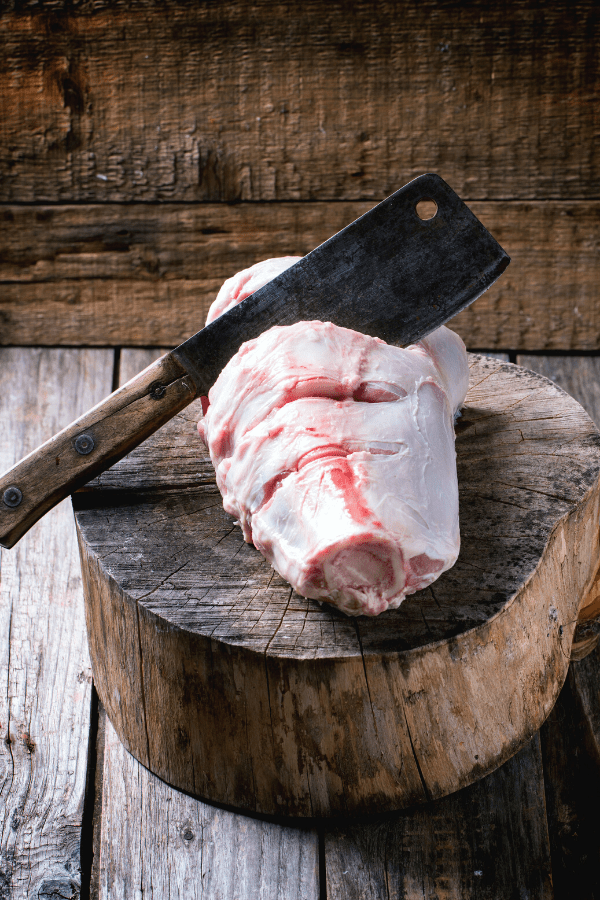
[{"x": 91, "y": 444}]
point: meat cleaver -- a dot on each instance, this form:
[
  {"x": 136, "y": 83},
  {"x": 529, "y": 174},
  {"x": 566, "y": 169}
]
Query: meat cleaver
[{"x": 391, "y": 274}]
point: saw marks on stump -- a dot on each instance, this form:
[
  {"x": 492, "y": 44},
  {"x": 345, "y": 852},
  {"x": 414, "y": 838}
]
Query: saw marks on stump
[{"x": 46, "y": 674}]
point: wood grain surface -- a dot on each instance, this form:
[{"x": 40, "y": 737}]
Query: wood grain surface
[
  {"x": 299, "y": 119},
  {"x": 489, "y": 841},
  {"x": 145, "y": 274},
  {"x": 46, "y": 675},
  {"x": 168, "y": 575},
  {"x": 129, "y": 133},
  {"x": 109, "y": 101},
  {"x": 157, "y": 843},
  {"x": 108, "y": 431},
  {"x": 170, "y": 845},
  {"x": 570, "y": 737}
]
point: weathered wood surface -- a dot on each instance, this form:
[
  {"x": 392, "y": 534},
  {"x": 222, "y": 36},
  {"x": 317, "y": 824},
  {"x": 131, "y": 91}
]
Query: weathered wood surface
[
  {"x": 580, "y": 377},
  {"x": 571, "y": 735},
  {"x": 109, "y": 101},
  {"x": 90, "y": 443},
  {"x": 169, "y": 845},
  {"x": 145, "y": 274},
  {"x": 162, "y": 845},
  {"x": 176, "y": 439},
  {"x": 335, "y": 108},
  {"x": 312, "y": 104},
  {"x": 168, "y": 575},
  {"x": 46, "y": 675},
  {"x": 489, "y": 841}
]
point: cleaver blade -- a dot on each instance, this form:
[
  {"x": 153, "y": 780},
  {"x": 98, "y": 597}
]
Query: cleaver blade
[{"x": 390, "y": 274}]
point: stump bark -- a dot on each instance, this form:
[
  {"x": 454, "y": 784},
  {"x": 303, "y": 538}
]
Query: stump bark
[{"x": 227, "y": 684}]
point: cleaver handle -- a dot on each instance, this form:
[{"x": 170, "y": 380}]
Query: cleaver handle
[{"x": 91, "y": 444}]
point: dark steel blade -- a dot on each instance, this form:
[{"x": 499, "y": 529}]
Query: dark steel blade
[{"x": 390, "y": 274}]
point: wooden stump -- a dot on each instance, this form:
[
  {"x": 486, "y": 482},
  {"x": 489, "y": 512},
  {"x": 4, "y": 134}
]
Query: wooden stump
[{"x": 227, "y": 684}]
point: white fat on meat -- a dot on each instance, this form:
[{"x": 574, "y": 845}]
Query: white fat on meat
[
  {"x": 240, "y": 286},
  {"x": 335, "y": 451}
]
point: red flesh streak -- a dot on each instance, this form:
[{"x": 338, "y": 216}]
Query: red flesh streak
[{"x": 344, "y": 479}]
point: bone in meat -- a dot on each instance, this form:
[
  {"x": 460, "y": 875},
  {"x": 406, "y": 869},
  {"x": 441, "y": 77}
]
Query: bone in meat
[{"x": 335, "y": 451}]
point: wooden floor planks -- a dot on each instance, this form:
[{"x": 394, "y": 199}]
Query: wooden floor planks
[
  {"x": 45, "y": 672},
  {"x": 488, "y": 841},
  {"x": 154, "y": 841},
  {"x": 158, "y": 843}
]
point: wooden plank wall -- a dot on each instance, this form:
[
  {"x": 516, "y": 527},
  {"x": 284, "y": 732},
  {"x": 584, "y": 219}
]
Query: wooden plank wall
[
  {"x": 531, "y": 826},
  {"x": 148, "y": 150}
]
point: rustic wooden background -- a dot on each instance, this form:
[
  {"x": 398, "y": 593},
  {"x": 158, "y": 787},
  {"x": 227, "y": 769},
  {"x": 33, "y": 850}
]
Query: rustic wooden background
[{"x": 147, "y": 151}]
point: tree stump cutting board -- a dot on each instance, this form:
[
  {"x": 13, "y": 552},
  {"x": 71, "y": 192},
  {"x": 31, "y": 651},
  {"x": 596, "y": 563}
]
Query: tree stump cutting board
[{"x": 227, "y": 684}]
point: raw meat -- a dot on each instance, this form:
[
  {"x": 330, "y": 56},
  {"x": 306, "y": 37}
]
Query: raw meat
[
  {"x": 335, "y": 451},
  {"x": 240, "y": 286}
]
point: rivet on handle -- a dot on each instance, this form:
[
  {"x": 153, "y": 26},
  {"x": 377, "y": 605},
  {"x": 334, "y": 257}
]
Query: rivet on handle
[
  {"x": 12, "y": 496},
  {"x": 84, "y": 444},
  {"x": 157, "y": 390}
]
